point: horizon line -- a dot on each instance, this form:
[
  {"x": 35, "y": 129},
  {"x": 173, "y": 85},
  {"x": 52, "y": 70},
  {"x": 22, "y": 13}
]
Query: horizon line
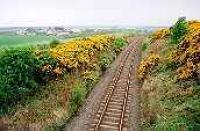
[{"x": 92, "y": 25}]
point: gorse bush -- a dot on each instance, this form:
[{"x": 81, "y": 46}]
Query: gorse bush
[
  {"x": 147, "y": 65},
  {"x": 50, "y": 68},
  {"x": 179, "y": 30},
  {"x": 187, "y": 54},
  {"x": 160, "y": 33},
  {"x": 118, "y": 44},
  {"x": 17, "y": 79},
  {"x": 80, "y": 53}
]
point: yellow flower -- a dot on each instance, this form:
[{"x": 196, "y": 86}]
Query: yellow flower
[{"x": 75, "y": 52}]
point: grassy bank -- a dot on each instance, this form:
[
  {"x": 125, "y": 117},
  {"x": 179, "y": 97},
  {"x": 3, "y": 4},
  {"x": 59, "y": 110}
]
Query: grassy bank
[{"x": 169, "y": 72}]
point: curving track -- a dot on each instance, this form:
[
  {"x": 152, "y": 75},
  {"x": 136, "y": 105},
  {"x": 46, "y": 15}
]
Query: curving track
[
  {"x": 113, "y": 105},
  {"x": 113, "y": 111}
]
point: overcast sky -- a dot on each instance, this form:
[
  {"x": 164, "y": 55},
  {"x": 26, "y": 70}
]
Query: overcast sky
[{"x": 96, "y": 12}]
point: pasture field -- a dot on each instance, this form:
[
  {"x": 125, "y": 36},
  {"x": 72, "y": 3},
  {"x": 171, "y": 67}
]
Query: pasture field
[{"x": 12, "y": 39}]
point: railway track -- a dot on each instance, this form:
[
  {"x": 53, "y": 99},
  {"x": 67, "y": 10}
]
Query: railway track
[{"x": 113, "y": 111}]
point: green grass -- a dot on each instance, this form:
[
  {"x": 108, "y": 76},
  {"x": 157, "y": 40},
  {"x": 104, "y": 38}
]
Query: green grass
[
  {"x": 55, "y": 101},
  {"x": 11, "y": 39},
  {"x": 169, "y": 105}
]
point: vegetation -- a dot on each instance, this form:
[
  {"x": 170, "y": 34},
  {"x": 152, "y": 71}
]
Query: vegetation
[
  {"x": 160, "y": 33},
  {"x": 144, "y": 46},
  {"x": 22, "y": 72},
  {"x": 179, "y": 30},
  {"x": 53, "y": 80},
  {"x": 54, "y": 43},
  {"x": 147, "y": 66},
  {"x": 13, "y": 40},
  {"x": 17, "y": 68},
  {"x": 118, "y": 44},
  {"x": 80, "y": 53},
  {"x": 105, "y": 60},
  {"x": 170, "y": 91},
  {"x": 77, "y": 98},
  {"x": 187, "y": 55}
]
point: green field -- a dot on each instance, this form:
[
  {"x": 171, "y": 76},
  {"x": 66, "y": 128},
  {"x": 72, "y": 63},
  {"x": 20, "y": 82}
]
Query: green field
[{"x": 11, "y": 39}]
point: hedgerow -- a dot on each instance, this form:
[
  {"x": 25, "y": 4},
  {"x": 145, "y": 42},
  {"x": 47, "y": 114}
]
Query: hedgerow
[
  {"x": 21, "y": 75},
  {"x": 17, "y": 79},
  {"x": 24, "y": 70}
]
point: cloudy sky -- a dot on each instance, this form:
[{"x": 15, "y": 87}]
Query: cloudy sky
[{"x": 96, "y": 12}]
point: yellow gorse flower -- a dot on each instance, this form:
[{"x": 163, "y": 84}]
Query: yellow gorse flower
[
  {"x": 147, "y": 65},
  {"x": 187, "y": 56},
  {"x": 160, "y": 33},
  {"x": 75, "y": 53}
]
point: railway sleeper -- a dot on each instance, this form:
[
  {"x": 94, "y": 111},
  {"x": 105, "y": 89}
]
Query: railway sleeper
[
  {"x": 116, "y": 100},
  {"x": 120, "y": 95},
  {"x": 113, "y": 119},
  {"x": 115, "y": 107},
  {"x": 104, "y": 127},
  {"x": 114, "y": 110}
]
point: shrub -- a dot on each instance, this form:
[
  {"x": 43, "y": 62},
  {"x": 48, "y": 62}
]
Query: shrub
[
  {"x": 144, "y": 46},
  {"x": 17, "y": 79},
  {"x": 49, "y": 70},
  {"x": 54, "y": 43},
  {"x": 22, "y": 71},
  {"x": 147, "y": 65},
  {"x": 187, "y": 55},
  {"x": 160, "y": 33},
  {"x": 179, "y": 30},
  {"x": 90, "y": 78},
  {"x": 81, "y": 53},
  {"x": 77, "y": 98},
  {"x": 118, "y": 44},
  {"x": 104, "y": 61}
]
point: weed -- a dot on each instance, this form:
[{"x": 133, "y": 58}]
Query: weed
[
  {"x": 77, "y": 98},
  {"x": 144, "y": 46}
]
